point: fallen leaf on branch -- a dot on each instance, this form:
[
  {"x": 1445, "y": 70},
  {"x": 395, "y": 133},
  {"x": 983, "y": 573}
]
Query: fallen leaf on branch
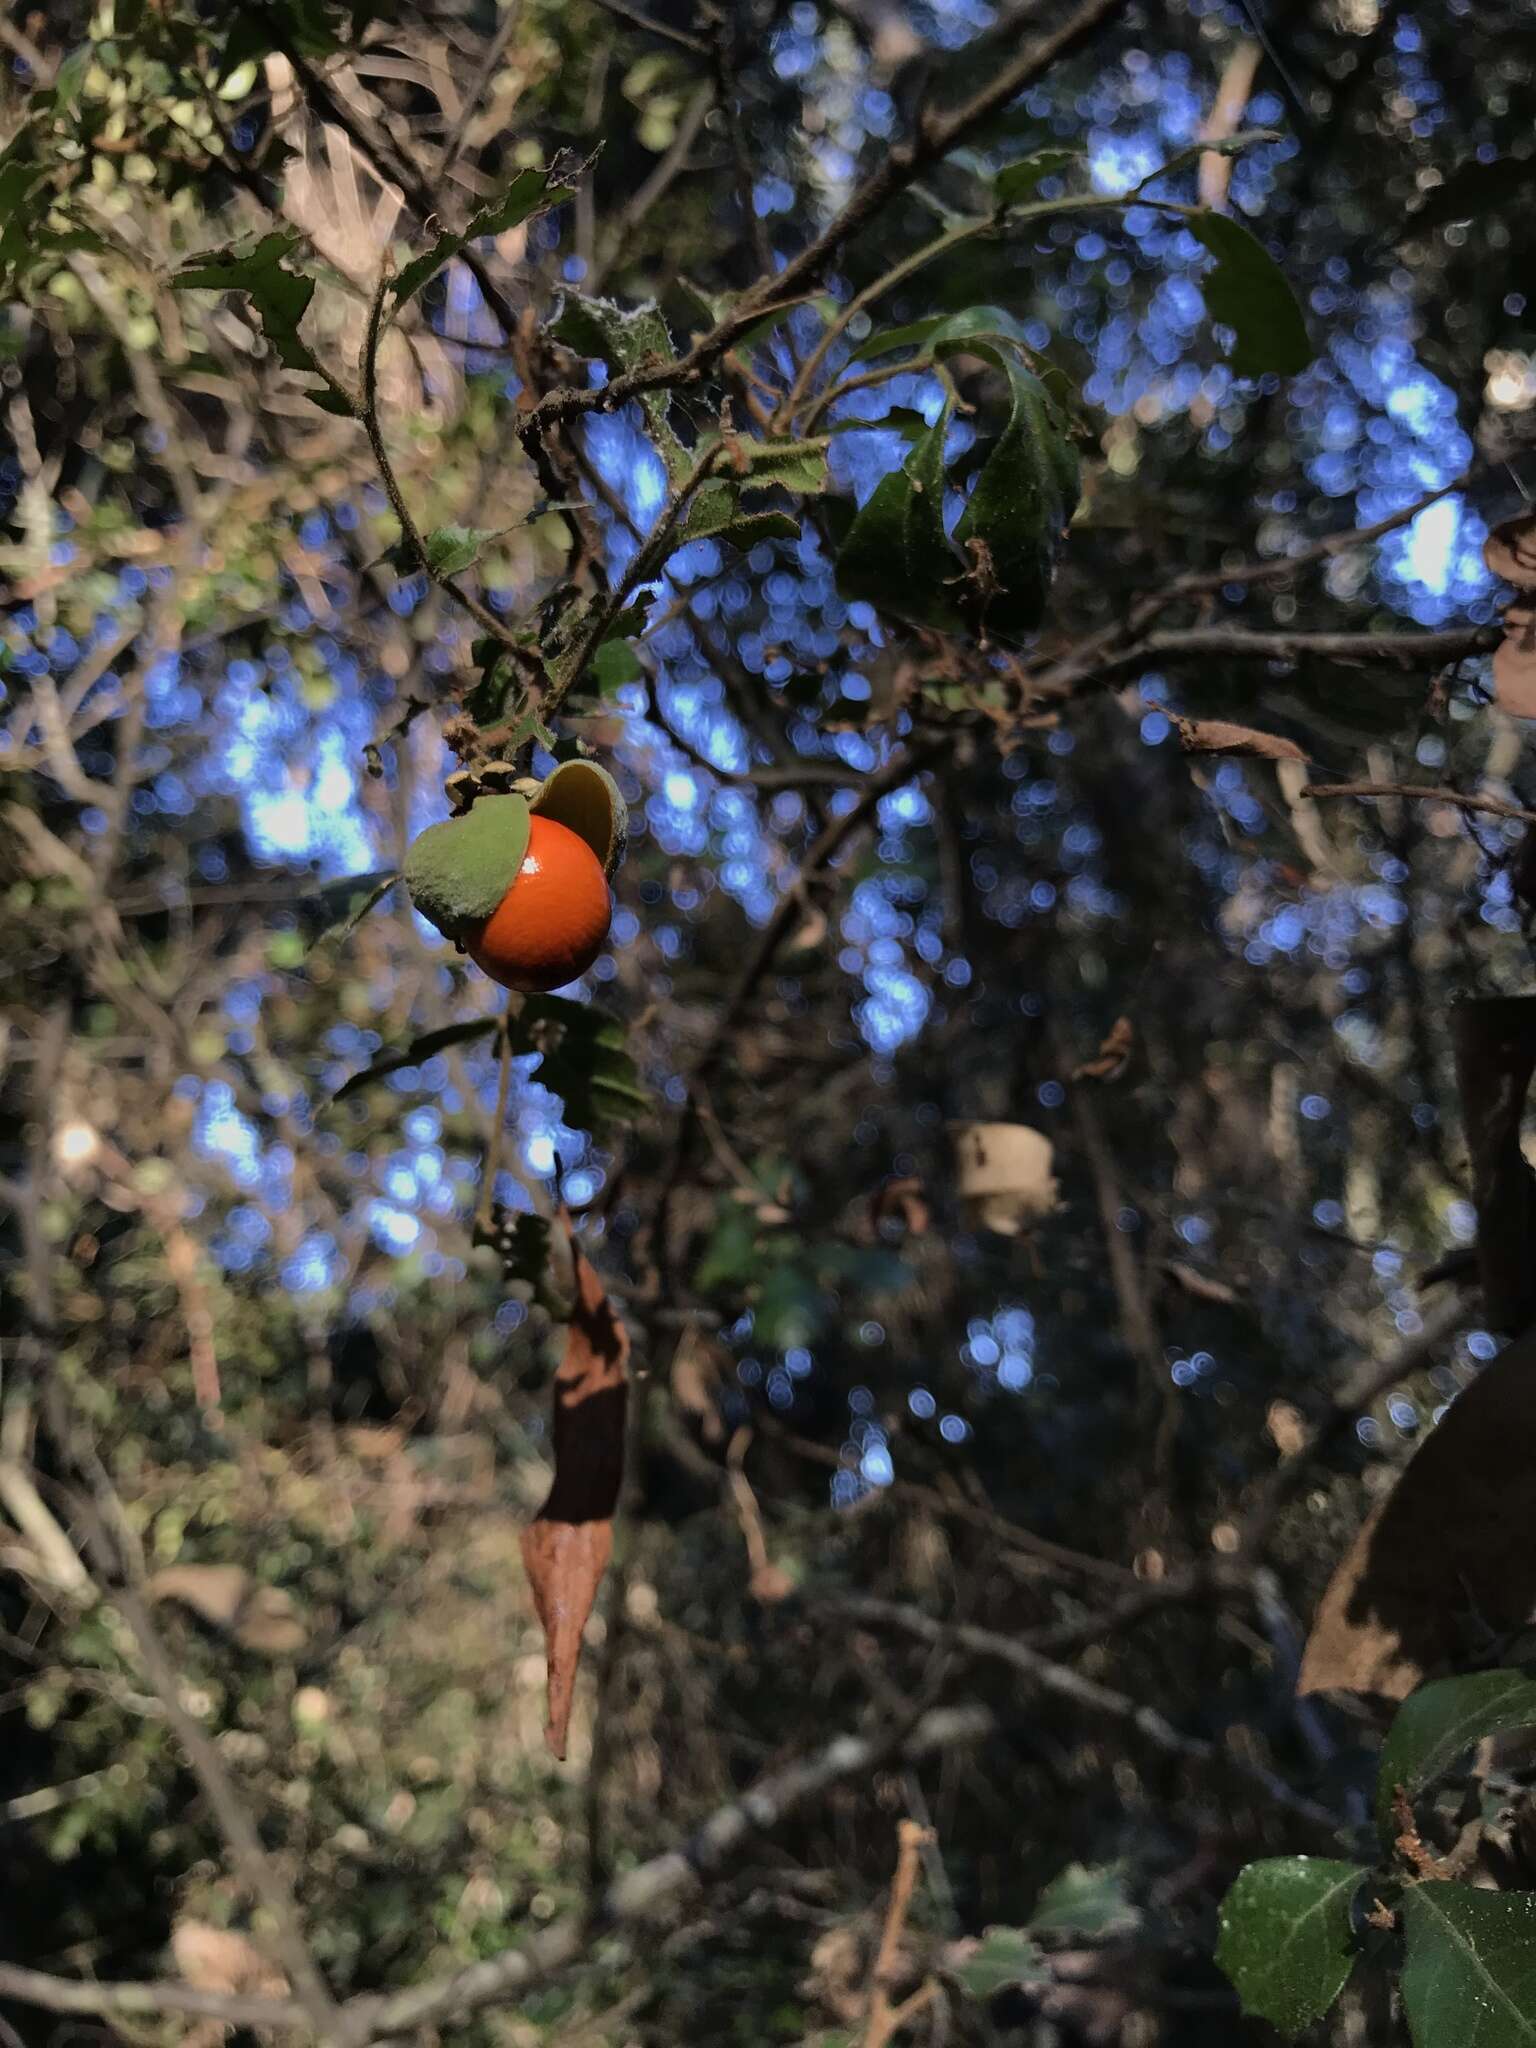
[
  {"x": 1510, "y": 551},
  {"x": 567, "y": 1545},
  {"x": 1006, "y": 1180},
  {"x": 1216, "y": 736},
  {"x": 1447, "y": 1563},
  {"x": 1108, "y": 1064}
]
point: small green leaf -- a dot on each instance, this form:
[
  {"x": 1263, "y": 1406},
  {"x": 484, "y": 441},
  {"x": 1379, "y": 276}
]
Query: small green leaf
[
  {"x": 1469, "y": 1978},
  {"x": 1004, "y": 1956},
  {"x": 1286, "y": 1940},
  {"x": 615, "y": 664},
  {"x": 716, "y": 513},
  {"x": 1439, "y": 1722},
  {"x": 452, "y": 548},
  {"x": 529, "y": 193},
  {"x": 896, "y": 554},
  {"x": 1081, "y": 1900},
  {"x": 419, "y": 1050},
  {"x": 1247, "y": 292},
  {"x": 458, "y": 871},
  {"x": 799, "y": 466},
  {"x": 1015, "y": 182}
]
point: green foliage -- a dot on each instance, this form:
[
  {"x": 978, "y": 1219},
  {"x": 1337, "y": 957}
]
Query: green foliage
[
  {"x": 1005, "y": 1956},
  {"x": 1439, "y": 1722},
  {"x": 1287, "y": 1941},
  {"x": 584, "y": 1060},
  {"x": 1247, "y": 291},
  {"x": 279, "y": 297},
  {"x": 1087, "y": 1901},
  {"x": 1016, "y": 182},
  {"x": 1469, "y": 1976},
  {"x": 625, "y": 338},
  {"x": 896, "y": 554}
]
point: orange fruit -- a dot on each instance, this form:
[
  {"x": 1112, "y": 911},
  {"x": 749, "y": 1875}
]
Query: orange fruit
[{"x": 551, "y": 924}]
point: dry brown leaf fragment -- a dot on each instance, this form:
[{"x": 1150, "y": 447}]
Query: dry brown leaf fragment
[
  {"x": 1108, "y": 1064},
  {"x": 222, "y": 1959},
  {"x": 228, "y": 1598},
  {"x": 1217, "y": 736},
  {"x": 900, "y": 1200},
  {"x": 1510, "y": 551},
  {"x": 1514, "y": 663},
  {"x": 567, "y": 1545},
  {"x": 1446, "y": 1564}
]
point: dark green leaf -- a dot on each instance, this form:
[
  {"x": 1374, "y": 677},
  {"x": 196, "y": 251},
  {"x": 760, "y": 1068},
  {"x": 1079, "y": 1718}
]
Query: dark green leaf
[
  {"x": 1016, "y": 518},
  {"x": 1439, "y": 1722},
  {"x": 896, "y": 555},
  {"x": 1080, "y": 1900},
  {"x": 1286, "y": 1941},
  {"x": 459, "y": 870},
  {"x": 1469, "y": 1980},
  {"x": 625, "y": 338},
  {"x": 799, "y": 466},
  {"x": 281, "y": 297},
  {"x": 615, "y": 664},
  {"x": 1004, "y": 1956},
  {"x": 529, "y": 193},
  {"x": 584, "y": 1060},
  {"x": 1247, "y": 292},
  {"x": 1015, "y": 182},
  {"x": 416, "y": 1052},
  {"x": 886, "y": 342},
  {"x": 716, "y": 513},
  {"x": 452, "y": 548}
]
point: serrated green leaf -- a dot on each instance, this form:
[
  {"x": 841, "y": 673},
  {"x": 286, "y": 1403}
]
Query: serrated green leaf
[
  {"x": 717, "y": 513},
  {"x": 1004, "y": 1956},
  {"x": 1286, "y": 1939},
  {"x": 529, "y": 193},
  {"x": 625, "y": 338},
  {"x": 1084, "y": 1900},
  {"x": 1439, "y": 1722},
  {"x": 280, "y": 297},
  {"x": 1016, "y": 181},
  {"x": 452, "y": 548},
  {"x": 896, "y": 554},
  {"x": 416, "y": 1052},
  {"x": 1469, "y": 1978},
  {"x": 1247, "y": 292},
  {"x": 799, "y": 466}
]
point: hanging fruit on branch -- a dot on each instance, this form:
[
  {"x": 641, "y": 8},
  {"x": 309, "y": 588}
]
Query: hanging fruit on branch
[{"x": 520, "y": 880}]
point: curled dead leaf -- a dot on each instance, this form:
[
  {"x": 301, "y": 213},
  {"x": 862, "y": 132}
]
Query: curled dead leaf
[
  {"x": 1108, "y": 1064},
  {"x": 567, "y": 1545},
  {"x": 1005, "y": 1175},
  {"x": 1216, "y": 736},
  {"x": 1447, "y": 1562},
  {"x": 1510, "y": 551},
  {"x": 1514, "y": 663},
  {"x": 1203, "y": 1286}
]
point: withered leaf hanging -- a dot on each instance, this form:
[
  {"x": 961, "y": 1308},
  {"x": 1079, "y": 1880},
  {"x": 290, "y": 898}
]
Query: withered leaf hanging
[
  {"x": 1447, "y": 1564},
  {"x": 567, "y": 1545}
]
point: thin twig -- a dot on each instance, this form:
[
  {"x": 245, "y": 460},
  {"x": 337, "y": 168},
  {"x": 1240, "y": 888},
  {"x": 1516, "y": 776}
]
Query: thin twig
[{"x": 1420, "y": 792}]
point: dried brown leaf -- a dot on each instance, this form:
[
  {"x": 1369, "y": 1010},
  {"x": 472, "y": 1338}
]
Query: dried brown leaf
[
  {"x": 1216, "y": 736},
  {"x": 1108, "y": 1064},
  {"x": 217, "y": 1592},
  {"x": 567, "y": 1545},
  {"x": 1203, "y": 1286},
  {"x": 1514, "y": 663},
  {"x": 1510, "y": 551},
  {"x": 1447, "y": 1562}
]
